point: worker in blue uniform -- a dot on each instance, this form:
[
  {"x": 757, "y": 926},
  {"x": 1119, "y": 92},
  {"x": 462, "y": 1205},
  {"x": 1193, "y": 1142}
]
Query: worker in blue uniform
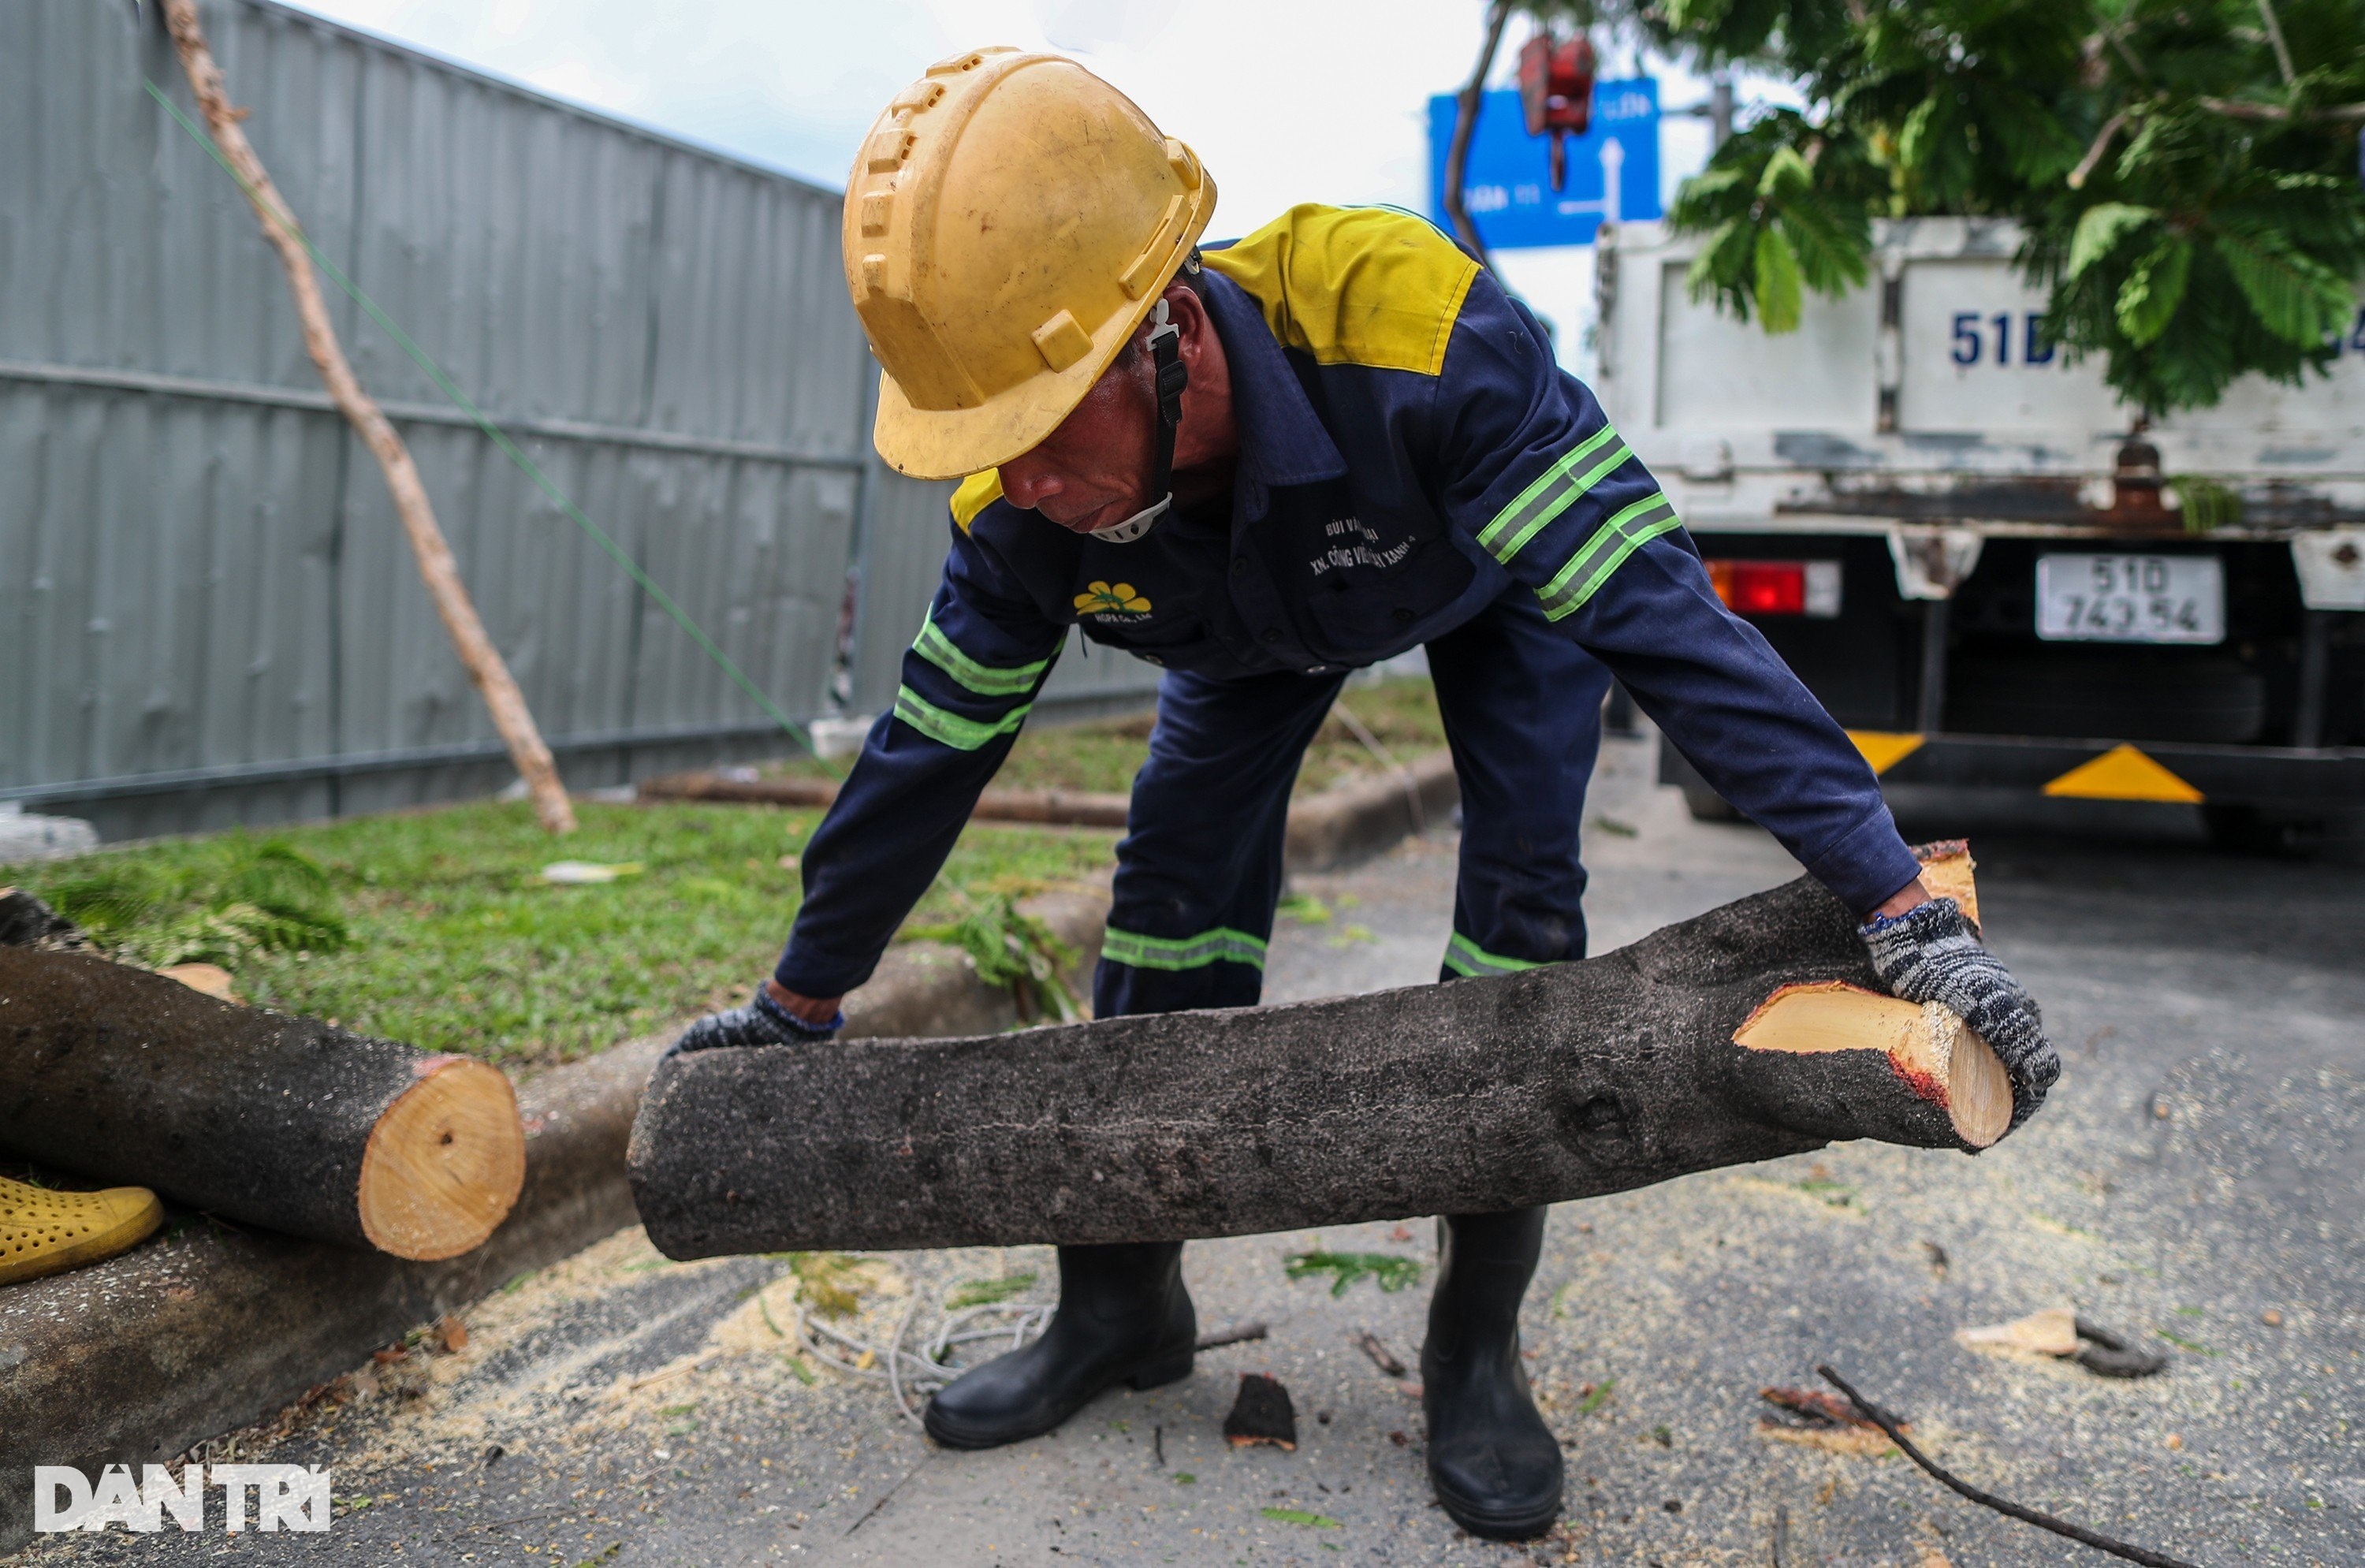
[{"x": 1263, "y": 466}]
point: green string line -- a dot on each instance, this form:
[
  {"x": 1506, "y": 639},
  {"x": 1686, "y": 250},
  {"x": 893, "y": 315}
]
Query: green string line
[{"x": 508, "y": 448}]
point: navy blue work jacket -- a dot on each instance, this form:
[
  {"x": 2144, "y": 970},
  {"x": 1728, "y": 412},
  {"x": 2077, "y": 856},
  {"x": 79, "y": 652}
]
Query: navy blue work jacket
[{"x": 1409, "y": 452}]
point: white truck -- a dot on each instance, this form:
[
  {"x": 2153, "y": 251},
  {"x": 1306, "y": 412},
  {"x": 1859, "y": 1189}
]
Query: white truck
[{"x": 1971, "y": 554}]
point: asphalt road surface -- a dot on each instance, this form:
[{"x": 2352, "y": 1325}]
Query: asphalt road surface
[{"x": 2196, "y": 1185}]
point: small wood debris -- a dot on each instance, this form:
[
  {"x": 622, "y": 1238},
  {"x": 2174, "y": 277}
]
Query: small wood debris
[
  {"x": 1261, "y": 1413},
  {"x": 1818, "y": 1420},
  {"x": 1237, "y": 1334},
  {"x": 2058, "y": 1331},
  {"x": 1947, "y": 868},
  {"x": 207, "y": 979},
  {"x": 2052, "y": 1332},
  {"x": 451, "y": 1333},
  {"x": 2106, "y": 1354},
  {"x": 1382, "y": 1356}
]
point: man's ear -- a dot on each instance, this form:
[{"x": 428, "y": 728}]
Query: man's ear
[{"x": 1189, "y": 314}]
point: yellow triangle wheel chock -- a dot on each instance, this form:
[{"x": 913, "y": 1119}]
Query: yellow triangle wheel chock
[
  {"x": 2122, "y": 773},
  {"x": 1884, "y": 749},
  {"x": 47, "y": 1232}
]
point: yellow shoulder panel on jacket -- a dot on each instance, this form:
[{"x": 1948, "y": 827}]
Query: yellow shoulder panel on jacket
[
  {"x": 1355, "y": 285},
  {"x": 976, "y": 493}
]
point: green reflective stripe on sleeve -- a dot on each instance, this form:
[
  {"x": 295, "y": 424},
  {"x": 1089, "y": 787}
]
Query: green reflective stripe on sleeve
[
  {"x": 1465, "y": 958},
  {"x": 1603, "y": 553},
  {"x": 1223, "y": 945},
  {"x": 986, "y": 680},
  {"x": 1551, "y": 494},
  {"x": 951, "y": 729}
]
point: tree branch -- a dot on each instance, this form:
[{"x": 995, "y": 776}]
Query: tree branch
[
  {"x": 2085, "y": 169},
  {"x": 2078, "y": 1533},
  {"x": 437, "y": 567},
  {"x": 2240, "y": 108},
  {"x": 1465, "y": 123},
  {"x": 2275, "y": 36}
]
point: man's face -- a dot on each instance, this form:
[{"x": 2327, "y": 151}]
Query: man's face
[{"x": 1093, "y": 470}]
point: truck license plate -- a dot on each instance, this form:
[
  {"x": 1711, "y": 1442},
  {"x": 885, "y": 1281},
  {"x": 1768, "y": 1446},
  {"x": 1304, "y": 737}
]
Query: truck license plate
[{"x": 2130, "y": 599}]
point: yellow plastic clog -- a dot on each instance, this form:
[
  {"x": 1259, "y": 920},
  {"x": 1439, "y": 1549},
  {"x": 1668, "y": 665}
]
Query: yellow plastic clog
[{"x": 46, "y": 1232}]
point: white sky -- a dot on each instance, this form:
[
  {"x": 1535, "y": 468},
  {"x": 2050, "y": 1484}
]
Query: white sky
[{"x": 1285, "y": 100}]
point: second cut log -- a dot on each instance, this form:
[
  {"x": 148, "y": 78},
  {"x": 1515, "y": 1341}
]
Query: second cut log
[{"x": 1756, "y": 1030}]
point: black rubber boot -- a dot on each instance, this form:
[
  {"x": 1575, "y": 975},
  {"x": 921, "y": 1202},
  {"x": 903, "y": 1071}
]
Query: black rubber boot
[
  {"x": 1496, "y": 1466},
  {"x": 1124, "y": 1317}
]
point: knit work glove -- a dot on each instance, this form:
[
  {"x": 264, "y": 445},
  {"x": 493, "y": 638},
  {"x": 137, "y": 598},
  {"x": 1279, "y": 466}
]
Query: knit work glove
[
  {"x": 762, "y": 1022},
  {"x": 1928, "y": 954}
]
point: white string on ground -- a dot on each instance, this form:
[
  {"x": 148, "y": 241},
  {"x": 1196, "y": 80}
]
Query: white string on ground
[
  {"x": 1372, "y": 744},
  {"x": 910, "y": 1376}
]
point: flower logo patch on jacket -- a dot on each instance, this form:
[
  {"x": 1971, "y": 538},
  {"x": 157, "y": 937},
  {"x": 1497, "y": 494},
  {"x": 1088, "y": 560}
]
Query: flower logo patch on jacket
[{"x": 1111, "y": 601}]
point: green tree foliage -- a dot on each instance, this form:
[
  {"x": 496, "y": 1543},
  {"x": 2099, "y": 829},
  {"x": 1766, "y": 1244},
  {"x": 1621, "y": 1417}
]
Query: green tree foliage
[
  {"x": 239, "y": 899},
  {"x": 2186, "y": 172}
]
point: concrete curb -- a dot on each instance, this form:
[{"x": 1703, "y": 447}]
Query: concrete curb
[
  {"x": 1066, "y": 808},
  {"x": 1354, "y": 822},
  {"x": 136, "y": 1360},
  {"x": 1332, "y": 828}
]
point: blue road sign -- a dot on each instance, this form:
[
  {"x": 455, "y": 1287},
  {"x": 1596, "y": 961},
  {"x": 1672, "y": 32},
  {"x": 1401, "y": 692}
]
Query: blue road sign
[{"x": 1613, "y": 168}]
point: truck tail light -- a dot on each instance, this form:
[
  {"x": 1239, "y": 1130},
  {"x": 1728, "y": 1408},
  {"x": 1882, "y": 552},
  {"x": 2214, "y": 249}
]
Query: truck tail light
[{"x": 1777, "y": 588}]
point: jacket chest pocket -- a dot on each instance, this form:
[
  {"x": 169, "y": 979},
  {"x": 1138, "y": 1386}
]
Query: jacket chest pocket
[{"x": 1371, "y": 595}]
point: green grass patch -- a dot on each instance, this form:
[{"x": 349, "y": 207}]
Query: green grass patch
[
  {"x": 1302, "y": 1517},
  {"x": 1386, "y": 1269},
  {"x": 1104, "y": 755},
  {"x": 830, "y": 1281},
  {"x": 437, "y": 928},
  {"x": 991, "y": 1293},
  {"x": 1838, "y": 1195},
  {"x": 1013, "y": 950},
  {"x": 227, "y": 902}
]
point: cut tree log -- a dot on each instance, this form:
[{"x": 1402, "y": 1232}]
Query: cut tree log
[
  {"x": 285, "y": 1122},
  {"x": 1753, "y": 1031}
]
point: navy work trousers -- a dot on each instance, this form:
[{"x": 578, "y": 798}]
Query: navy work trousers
[{"x": 1200, "y": 868}]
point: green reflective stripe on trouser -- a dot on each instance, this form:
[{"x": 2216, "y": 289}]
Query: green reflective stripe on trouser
[
  {"x": 1464, "y": 956},
  {"x": 1221, "y": 945},
  {"x": 986, "y": 680},
  {"x": 951, "y": 729},
  {"x": 1623, "y": 535},
  {"x": 1554, "y": 494}
]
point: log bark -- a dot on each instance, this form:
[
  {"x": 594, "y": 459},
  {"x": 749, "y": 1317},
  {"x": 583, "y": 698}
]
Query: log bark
[
  {"x": 437, "y": 567},
  {"x": 1559, "y": 1083},
  {"x": 281, "y": 1122}
]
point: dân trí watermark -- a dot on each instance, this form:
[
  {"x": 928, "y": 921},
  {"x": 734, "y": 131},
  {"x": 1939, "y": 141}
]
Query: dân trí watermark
[{"x": 284, "y": 1498}]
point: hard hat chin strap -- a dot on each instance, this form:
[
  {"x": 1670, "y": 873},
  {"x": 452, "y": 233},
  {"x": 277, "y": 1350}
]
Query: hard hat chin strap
[{"x": 1173, "y": 375}]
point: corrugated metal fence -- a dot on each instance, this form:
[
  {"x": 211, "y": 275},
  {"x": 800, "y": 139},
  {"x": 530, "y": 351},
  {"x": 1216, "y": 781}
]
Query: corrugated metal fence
[{"x": 207, "y": 614}]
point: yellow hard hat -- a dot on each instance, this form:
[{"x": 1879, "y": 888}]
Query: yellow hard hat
[{"x": 1010, "y": 220}]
